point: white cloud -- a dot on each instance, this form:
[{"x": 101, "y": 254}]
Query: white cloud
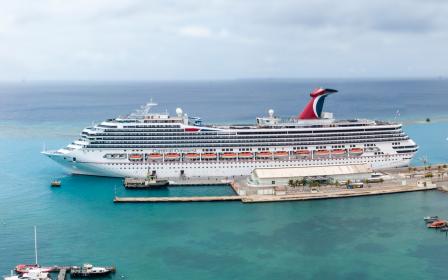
[
  {"x": 195, "y": 31},
  {"x": 191, "y": 39}
]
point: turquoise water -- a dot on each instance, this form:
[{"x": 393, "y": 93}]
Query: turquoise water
[{"x": 380, "y": 237}]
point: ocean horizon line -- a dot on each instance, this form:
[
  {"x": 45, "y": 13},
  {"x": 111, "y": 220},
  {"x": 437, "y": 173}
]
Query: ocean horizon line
[{"x": 242, "y": 79}]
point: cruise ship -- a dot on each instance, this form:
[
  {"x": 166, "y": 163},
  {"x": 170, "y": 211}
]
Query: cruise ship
[{"x": 145, "y": 142}]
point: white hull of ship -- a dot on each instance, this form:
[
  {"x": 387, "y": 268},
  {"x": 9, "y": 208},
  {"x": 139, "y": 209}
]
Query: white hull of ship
[{"x": 216, "y": 168}]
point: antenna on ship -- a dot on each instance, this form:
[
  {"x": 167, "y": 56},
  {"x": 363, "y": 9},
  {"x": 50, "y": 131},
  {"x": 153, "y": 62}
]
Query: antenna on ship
[
  {"x": 144, "y": 110},
  {"x": 35, "y": 243},
  {"x": 397, "y": 114}
]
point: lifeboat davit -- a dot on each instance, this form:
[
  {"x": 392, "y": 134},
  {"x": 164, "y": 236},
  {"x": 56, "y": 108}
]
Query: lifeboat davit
[
  {"x": 264, "y": 154},
  {"x": 155, "y": 156},
  {"x": 322, "y": 153},
  {"x": 338, "y": 152},
  {"x": 245, "y": 155},
  {"x": 281, "y": 154},
  {"x": 356, "y": 151},
  {"x": 209, "y": 156},
  {"x": 192, "y": 156},
  {"x": 135, "y": 157},
  {"x": 172, "y": 156},
  {"x": 229, "y": 155}
]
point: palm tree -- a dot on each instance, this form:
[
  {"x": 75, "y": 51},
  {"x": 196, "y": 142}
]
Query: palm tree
[
  {"x": 291, "y": 183},
  {"x": 296, "y": 183},
  {"x": 439, "y": 171},
  {"x": 304, "y": 182}
]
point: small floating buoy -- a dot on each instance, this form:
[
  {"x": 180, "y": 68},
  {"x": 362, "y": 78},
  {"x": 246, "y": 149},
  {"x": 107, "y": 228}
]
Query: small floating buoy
[
  {"x": 428, "y": 120},
  {"x": 56, "y": 183}
]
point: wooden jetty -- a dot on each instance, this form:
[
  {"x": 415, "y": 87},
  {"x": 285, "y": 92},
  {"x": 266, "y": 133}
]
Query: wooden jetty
[{"x": 177, "y": 199}]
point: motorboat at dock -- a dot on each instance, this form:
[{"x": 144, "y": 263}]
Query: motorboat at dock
[{"x": 88, "y": 270}]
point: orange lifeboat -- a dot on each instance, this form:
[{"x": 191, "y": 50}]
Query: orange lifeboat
[
  {"x": 356, "y": 151},
  {"x": 302, "y": 153},
  {"x": 209, "y": 156},
  {"x": 172, "y": 156},
  {"x": 192, "y": 156},
  {"x": 322, "y": 153},
  {"x": 228, "y": 155},
  {"x": 155, "y": 156},
  {"x": 338, "y": 152},
  {"x": 264, "y": 154},
  {"x": 135, "y": 157},
  {"x": 245, "y": 155},
  {"x": 281, "y": 154}
]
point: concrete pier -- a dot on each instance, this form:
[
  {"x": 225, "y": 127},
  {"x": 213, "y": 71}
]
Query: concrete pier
[
  {"x": 277, "y": 198},
  {"x": 176, "y": 199},
  {"x": 62, "y": 273},
  {"x": 397, "y": 180},
  {"x": 198, "y": 183},
  {"x": 329, "y": 195}
]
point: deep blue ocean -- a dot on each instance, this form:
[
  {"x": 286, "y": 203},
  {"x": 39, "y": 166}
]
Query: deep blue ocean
[{"x": 380, "y": 237}]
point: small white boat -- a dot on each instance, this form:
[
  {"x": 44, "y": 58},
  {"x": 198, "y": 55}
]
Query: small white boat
[
  {"x": 36, "y": 274},
  {"x": 32, "y": 274}
]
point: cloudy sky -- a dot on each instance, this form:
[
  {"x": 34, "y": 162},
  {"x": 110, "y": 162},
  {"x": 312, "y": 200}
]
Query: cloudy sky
[{"x": 221, "y": 39}]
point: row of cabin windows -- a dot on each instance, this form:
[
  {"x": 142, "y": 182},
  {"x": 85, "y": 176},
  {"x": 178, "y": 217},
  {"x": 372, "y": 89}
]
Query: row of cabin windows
[
  {"x": 188, "y": 145},
  {"x": 182, "y": 133},
  {"x": 227, "y": 140}
]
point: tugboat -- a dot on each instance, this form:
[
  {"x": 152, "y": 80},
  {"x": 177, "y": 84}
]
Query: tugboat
[
  {"x": 149, "y": 182},
  {"x": 88, "y": 270}
]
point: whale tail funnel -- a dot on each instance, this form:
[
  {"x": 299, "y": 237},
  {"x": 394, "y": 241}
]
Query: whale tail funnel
[{"x": 313, "y": 109}]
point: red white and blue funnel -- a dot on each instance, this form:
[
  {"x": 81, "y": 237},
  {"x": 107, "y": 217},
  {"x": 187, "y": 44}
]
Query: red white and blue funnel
[{"x": 313, "y": 109}]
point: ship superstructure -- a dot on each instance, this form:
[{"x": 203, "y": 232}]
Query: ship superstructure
[{"x": 180, "y": 146}]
